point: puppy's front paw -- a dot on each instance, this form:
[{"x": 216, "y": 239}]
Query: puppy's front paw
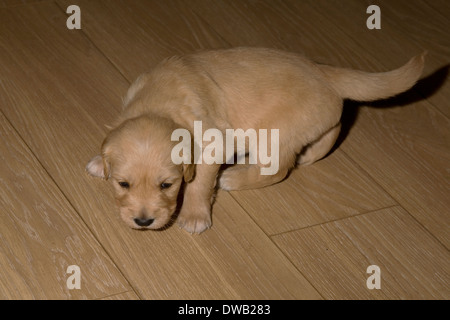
[{"x": 195, "y": 220}]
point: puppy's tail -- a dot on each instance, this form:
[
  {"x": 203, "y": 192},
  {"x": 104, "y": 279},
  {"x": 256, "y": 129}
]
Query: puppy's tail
[{"x": 364, "y": 86}]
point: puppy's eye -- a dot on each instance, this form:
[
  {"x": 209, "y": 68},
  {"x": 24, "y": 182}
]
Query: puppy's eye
[
  {"x": 165, "y": 185},
  {"x": 124, "y": 184}
]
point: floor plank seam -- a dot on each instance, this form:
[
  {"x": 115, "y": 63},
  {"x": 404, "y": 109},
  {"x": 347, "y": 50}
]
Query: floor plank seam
[
  {"x": 119, "y": 293},
  {"x": 211, "y": 28},
  {"x": 103, "y": 54},
  {"x": 79, "y": 215},
  {"x": 336, "y": 220},
  {"x": 276, "y": 246},
  {"x": 387, "y": 232},
  {"x": 436, "y": 109},
  {"x": 65, "y": 198},
  {"x": 298, "y": 270},
  {"x": 398, "y": 203},
  {"x": 369, "y": 176},
  {"x": 249, "y": 215}
]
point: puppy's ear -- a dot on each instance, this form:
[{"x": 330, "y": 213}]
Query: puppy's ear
[
  {"x": 188, "y": 172},
  {"x": 98, "y": 167}
]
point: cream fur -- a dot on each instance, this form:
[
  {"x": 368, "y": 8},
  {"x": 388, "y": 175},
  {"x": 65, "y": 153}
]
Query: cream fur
[{"x": 227, "y": 89}]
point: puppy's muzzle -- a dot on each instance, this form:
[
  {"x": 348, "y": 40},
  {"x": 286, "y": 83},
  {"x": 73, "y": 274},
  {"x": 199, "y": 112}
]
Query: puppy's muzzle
[{"x": 143, "y": 222}]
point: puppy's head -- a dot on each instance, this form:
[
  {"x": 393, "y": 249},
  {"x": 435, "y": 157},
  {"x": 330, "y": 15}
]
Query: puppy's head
[{"x": 136, "y": 158}]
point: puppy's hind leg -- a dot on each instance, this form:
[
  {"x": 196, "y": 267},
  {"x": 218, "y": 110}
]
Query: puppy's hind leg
[
  {"x": 319, "y": 148},
  {"x": 248, "y": 176}
]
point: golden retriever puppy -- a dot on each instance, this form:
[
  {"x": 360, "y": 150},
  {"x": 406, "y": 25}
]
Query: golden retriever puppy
[{"x": 241, "y": 88}]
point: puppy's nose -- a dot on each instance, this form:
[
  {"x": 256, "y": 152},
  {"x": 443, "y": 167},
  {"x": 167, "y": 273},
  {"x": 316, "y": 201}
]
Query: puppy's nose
[{"x": 142, "y": 222}]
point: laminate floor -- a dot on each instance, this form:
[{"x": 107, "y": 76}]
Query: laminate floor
[{"x": 380, "y": 198}]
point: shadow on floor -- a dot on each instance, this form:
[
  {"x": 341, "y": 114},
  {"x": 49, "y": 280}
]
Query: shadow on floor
[{"x": 424, "y": 89}]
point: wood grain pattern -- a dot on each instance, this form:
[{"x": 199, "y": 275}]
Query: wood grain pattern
[
  {"x": 129, "y": 295},
  {"x": 425, "y": 27},
  {"x": 331, "y": 189},
  {"x": 309, "y": 196},
  {"x": 65, "y": 102},
  {"x": 441, "y": 6},
  {"x": 41, "y": 234},
  {"x": 11, "y": 3},
  {"x": 136, "y": 35},
  {"x": 335, "y": 257},
  {"x": 380, "y": 198},
  {"x": 231, "y": 247},
  {"x": 404, "y": 171},
  {"x": 413, "y": 171},
  {"x": 414, "y": 168},
  {"x": 145, "y": 258}
]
